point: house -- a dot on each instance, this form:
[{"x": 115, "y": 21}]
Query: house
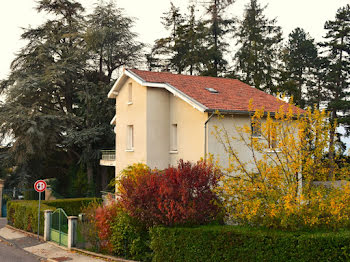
[{"x": 163, "y": 117}]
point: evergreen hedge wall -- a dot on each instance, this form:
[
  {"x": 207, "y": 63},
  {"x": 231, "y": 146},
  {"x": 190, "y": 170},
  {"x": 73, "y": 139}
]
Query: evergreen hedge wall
[
  {"x": 23, "y": 214},
  {"x": 232, "y": 243},
  {"x": 72, "y": 206}
]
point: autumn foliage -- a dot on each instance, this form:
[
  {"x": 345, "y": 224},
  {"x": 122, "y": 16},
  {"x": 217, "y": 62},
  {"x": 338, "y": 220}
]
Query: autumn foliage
[
  {"x": 276, "y": 186},
  {"x": 104, "y": 217},
  {"x": 174, "y": 196}
]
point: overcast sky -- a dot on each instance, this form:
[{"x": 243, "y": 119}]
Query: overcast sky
[{"x": 308, "y": 14}]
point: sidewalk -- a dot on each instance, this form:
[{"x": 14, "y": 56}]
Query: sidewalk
[{"x": 45, "y": 250}]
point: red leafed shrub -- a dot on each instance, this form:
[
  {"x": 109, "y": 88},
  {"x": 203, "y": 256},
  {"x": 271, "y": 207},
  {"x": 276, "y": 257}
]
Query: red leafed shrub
[
  {"x": 104, "y": 216},
  {"x": 175, "y": 196}
]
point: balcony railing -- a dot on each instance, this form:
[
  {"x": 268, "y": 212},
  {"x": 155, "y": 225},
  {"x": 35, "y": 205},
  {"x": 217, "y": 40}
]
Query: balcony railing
[{"x": 108, "y": 158}]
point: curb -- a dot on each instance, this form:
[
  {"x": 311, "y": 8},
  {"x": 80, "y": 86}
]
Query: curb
[
  {"x": 30, "y": 234},
  {"x": 108, "y": 258}
]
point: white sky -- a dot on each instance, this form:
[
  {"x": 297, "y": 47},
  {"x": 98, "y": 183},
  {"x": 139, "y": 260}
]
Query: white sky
[{"x": 308, "y": 14}]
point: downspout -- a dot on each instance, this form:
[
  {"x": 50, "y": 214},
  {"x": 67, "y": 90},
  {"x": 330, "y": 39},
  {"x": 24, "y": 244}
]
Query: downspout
[{"x": 205, "y": 135}]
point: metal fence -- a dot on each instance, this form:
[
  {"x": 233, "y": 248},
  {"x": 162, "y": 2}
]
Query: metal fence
[
  {"x": 59, "y": 227},
  {"x": 108, "y": 155}
]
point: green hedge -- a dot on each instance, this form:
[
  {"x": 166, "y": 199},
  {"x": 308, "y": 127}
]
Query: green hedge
[
  {"x": 23, "y": 214},
  {"x": 232, "y": 243},
  {"x": 72, "y": 206},
  {"x": 129, "y": 238}
]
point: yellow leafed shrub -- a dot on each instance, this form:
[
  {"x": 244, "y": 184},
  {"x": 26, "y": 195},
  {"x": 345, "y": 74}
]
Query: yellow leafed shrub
[{"x": 276, "y": 188}]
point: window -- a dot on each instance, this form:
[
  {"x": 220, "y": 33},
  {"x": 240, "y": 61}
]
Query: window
[
  {"x": 130, "y": 93},
  {"x": 255, "y": 126},
  {"x": 130, "y": 137},
  {"x": 173, "y": 142}
]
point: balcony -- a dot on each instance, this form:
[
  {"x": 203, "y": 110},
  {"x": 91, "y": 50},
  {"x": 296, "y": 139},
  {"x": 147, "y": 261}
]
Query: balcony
[{"x": 108, "y": 158}]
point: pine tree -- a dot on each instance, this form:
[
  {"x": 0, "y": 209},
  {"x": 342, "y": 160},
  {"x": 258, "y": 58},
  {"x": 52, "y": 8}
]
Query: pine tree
[
  {"x": 337, "y": 43},
  {"x": 185, "y": 48},
  {"x": 316, "y": 95},
  {"x": 218, "y": 26},
  {"x": 259, "y": 41},
  {"x": 299, "y": 57},
  {"x": 164, "y": 48},
  {"x": 191, "y": 44}
]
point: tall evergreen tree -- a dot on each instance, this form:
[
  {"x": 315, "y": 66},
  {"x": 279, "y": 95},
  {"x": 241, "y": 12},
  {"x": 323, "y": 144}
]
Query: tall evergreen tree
[
  {"x": 41, "y": 90},
  {"x": 191, "y": 44},
  {"x": 111, "y": 44},
  {"x": 316, "y": 92},
  {"x": 164, "y": 49},
  {"x": 299, "y": 57},
  {"x": 110, "y": 39},
  {"x": 337, "y": 45},
  {"x": 56, "y": 102},
  {"x": 219, "y": 26},
  {"x": 259, "y": 41},
  {"x": 184, "y": 50}
]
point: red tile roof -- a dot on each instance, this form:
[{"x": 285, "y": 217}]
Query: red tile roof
[{"x": 233, "y": 95}]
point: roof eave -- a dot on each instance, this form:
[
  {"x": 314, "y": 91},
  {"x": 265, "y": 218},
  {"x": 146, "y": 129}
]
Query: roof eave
[
  {"x": 225, "y": 111},
  {"x": 240, "y": 112},
  {"x": 176, "y": 92}
]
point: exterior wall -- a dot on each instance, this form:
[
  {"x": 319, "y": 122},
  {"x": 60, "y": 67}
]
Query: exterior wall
[
  {"x": 190, "y": 130},
  {"x": 134, "y": 114},
  {"x": 158, "y": 135},
  {"x": 229, "y": 123},
  {"x": 152, "y": 113}
]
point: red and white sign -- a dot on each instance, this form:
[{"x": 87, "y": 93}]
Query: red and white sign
[{"x": 40, "y": 186}]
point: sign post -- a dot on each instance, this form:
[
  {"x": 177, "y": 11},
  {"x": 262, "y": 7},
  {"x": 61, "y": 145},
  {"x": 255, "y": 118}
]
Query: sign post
[{"x": 39, "y": 186}]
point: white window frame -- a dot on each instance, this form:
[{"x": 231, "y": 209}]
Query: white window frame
[
  {"x": 255, "y": 130},
  {"x": 130, "y": 138},
  {"x": 130, "y": 94},
  {"x": 173, "y": 138}
]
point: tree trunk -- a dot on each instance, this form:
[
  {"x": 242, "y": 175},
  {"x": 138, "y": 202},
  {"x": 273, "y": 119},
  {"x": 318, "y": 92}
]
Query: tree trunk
[
  {"x": 101, "y": 65},
  {"x": 338, "y": 90},
  {"x": 90, "y": 173},
  {"x": 331, "y": 145}
]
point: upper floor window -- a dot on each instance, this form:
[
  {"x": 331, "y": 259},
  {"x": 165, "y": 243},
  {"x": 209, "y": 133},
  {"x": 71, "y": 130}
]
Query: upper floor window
[
  {"x": 255, "y": 126},
  {"x": 130, "y": 137},
  {"x": 173, "y": 137},
  {"x": 130, "y": 93}
]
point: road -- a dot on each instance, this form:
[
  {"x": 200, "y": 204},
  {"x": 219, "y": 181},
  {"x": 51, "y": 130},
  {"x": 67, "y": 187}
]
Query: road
[{"x": 9, "y": 252}]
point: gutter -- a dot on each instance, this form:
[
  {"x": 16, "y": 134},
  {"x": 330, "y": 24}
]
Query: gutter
[
  {"x": 242, "y": 112},
  {"x": 206, "y": 136}
]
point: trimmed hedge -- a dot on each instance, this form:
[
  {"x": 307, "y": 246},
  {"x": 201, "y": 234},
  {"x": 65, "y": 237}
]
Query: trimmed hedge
[
  {"x": 129, "y": 238},
  {"x": 233, "y": 243},
  {"x": 72, "y": 206},
  {"x": 23, "y": 214}
]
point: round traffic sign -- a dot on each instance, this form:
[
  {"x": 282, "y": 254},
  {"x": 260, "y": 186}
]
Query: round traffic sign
[{"x": 40, "y": 186}]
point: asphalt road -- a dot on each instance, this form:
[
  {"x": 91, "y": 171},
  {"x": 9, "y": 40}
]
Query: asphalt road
[{"x": 11, "y": 253}]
